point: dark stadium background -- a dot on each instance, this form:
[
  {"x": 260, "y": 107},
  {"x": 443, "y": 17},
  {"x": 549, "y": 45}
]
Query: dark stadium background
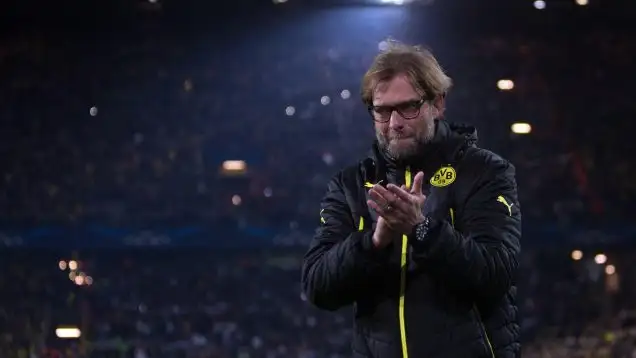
[{"x": 162, "y": 164}]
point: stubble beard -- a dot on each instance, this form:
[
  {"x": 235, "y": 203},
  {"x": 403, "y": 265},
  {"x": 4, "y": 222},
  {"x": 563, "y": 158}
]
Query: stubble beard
[{"x": 405, "y": 153}]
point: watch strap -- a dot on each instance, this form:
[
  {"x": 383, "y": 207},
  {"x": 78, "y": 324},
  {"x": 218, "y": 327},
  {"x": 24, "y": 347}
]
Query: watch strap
[{"x": 420, "y": 231}]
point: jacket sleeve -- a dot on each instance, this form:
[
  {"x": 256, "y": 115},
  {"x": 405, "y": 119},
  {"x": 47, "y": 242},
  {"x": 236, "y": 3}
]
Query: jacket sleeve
[
  {"x": 479, "y": 254},
  {"x": 341, "y": 259}
]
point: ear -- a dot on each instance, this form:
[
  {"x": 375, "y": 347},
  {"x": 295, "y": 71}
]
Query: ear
[{"x": 439, "y": 103}]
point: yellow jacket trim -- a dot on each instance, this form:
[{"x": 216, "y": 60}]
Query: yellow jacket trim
[{"x": 403, "y": 269}]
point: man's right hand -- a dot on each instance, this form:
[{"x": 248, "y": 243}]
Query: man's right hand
[{"x": 383, "y": 235}]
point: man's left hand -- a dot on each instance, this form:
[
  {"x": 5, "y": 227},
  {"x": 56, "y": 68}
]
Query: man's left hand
[{"x": 402, "y": 209}]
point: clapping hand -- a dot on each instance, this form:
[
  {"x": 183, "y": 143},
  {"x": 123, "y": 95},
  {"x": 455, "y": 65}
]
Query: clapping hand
[{"x": 399, "y": 207}]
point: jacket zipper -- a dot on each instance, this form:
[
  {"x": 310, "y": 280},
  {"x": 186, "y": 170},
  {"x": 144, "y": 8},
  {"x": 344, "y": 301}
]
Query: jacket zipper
[
  {"x": 403, "y": 269},
  {"x": 485, "y": 333}
]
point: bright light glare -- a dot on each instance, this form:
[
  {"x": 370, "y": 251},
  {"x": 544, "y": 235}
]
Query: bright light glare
[
  {"x": 68, "y": 332},
  {"x": 577, "y": 255},
  {"x": 581, "y": 2},
  {"x": 72, "y": 265},
  {"x": 268, "y": 192},
  {"x": 600, "y": 259},
  {"x": 539, "y": 4},
  {"x": 610, "y": 269},
  {"x": 521, "y": 128},
  {"x": 505, "y": 85},
  {"x": 232, "y": 165},
  {"x": 236, "y": 200}
]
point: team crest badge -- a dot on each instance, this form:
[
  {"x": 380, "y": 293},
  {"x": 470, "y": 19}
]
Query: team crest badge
[{"x": 443, "y": 177}]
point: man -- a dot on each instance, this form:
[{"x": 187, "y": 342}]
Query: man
[{"x": 422, "y": 237}]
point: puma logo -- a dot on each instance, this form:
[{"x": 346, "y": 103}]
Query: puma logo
[{"x": 502, "y": 200}]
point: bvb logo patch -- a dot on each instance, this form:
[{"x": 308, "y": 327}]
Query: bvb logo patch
[{"x": 443, "y": 177}]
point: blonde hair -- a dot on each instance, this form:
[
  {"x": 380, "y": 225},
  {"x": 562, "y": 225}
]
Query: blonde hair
[{"x": 415, "y": 62}]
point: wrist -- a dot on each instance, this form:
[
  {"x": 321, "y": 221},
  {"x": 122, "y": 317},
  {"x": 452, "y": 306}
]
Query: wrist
[{"x": 378, "y": 242}]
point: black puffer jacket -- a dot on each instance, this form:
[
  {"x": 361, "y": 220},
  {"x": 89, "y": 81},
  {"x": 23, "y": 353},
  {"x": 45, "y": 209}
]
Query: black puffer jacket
[{"x": 452, "y": 295}]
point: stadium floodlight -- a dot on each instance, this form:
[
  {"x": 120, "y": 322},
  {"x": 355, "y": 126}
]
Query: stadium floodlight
[
  {"x": 394, "y": 2},
  {"x": 505, "y": 84},
  {"x": 68, "y": 332},
  {"x": 234, "y": 167},
  {"x": 521, "y": 128}
]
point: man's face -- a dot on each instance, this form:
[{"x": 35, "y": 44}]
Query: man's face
[{"x": 402, "y": 134}]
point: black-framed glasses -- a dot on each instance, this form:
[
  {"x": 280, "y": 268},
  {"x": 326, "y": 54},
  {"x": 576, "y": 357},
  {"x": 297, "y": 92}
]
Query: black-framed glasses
[{"x": 408, "y": 110}]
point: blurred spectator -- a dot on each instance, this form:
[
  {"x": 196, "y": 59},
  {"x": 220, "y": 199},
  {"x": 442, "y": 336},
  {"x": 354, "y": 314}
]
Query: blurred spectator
[
  {"x": 197, "y": 303},
  {"x": 129, "y": 129},
  {"x": 127, "y": 133}
]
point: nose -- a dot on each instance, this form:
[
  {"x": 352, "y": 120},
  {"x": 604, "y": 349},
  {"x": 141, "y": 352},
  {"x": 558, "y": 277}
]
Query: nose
[{"x": 396, "y": 121}]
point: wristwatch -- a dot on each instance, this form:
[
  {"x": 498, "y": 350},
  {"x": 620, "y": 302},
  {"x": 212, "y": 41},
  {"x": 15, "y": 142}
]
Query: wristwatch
[{"x": 420, "y": 231}]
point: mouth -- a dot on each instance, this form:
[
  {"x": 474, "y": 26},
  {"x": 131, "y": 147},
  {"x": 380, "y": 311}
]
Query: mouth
[{"x": 402, "y": 138}]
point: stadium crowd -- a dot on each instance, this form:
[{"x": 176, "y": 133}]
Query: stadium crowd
[
  {"x": 135, "y": 132},
  {"x": 198, "y": 303},
  {"x": 147, "y": 131}
]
